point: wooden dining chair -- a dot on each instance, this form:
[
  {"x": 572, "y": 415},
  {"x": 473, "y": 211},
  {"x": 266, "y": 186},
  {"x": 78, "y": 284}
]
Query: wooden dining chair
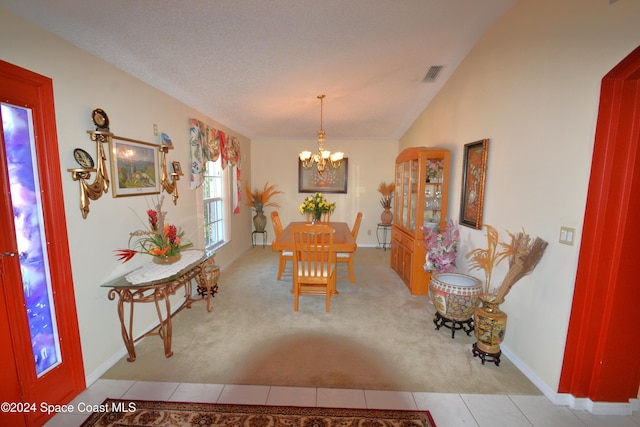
[
  {"x": 314, "y": 262},
  {"x": 284, "y": 255},
  {"x": 347, "y": 257}
]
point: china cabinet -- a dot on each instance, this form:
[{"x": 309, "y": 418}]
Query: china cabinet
[{"x": 420, "y": 200}]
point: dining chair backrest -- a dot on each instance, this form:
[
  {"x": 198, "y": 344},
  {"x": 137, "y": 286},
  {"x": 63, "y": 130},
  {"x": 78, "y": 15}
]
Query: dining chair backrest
[
  {"x": 356, "y": 225},
  {"x": 277, "y": 225},
  {"x": 313, "y": 253},
  {"x": 314, "y": 262}
]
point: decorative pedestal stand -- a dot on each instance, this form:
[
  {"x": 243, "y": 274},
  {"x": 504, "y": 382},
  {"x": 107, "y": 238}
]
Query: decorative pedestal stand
[
  {"x": 454, "y": 325},
  {"x": 484, "y": 356},
  {"x": 208, "y": 282}
]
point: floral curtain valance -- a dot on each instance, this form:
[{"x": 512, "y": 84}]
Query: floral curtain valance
[{"x": 207, "y": 144}]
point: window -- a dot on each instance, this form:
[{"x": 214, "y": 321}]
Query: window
[{"x": 212, "y": 195}]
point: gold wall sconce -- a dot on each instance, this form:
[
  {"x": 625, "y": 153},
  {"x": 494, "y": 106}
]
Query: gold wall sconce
[
  {"x": 169, "y": 185},
  {"x": 100, "y": 184}
]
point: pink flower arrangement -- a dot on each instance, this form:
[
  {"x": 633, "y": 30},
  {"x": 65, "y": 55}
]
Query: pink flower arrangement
[{"x": 442, "y": 248}]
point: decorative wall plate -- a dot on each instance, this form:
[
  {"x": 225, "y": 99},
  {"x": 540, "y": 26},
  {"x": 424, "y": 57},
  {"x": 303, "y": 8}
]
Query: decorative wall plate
[
  {"x": 83, "y": 158},
  {"x": 100, "y": 119}
]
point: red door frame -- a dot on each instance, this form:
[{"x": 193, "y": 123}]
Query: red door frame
[
  {"x": 601, "y": 360},
  {"x": 60, "y": 385}
]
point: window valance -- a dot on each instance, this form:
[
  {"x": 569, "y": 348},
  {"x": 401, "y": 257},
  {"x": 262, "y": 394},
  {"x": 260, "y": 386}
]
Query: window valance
[{"x": 208, "y": 144}]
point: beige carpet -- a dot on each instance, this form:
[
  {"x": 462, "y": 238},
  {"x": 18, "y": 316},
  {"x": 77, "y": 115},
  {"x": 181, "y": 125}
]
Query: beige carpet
[{"x": 377, "y": 336}]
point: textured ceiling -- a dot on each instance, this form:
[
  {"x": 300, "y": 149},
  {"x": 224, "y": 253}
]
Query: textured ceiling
[{"x": 257, "y": 66}]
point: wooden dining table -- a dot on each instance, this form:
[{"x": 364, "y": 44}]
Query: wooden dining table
[{"x": 343, "y": 240}]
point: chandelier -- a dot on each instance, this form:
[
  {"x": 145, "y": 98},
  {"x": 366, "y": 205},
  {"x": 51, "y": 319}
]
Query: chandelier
[{"x": 322, "y": 158}]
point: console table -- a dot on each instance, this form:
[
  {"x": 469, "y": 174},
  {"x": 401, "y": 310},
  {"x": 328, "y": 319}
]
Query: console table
[{"x": 155, "y": 283}]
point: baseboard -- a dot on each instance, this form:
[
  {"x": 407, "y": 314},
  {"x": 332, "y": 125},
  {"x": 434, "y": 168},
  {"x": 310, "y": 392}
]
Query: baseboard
[
  {"x": 95, "y": 375},
  {"x": 104, "y": 367},
  {"x": 565, "y": 399}
]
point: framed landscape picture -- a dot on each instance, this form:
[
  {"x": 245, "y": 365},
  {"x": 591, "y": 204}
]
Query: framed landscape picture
[
  {"x": 474, "y": 173},
  {"x": 134, "y": 167},
  {"x": 329, "y": 181}
]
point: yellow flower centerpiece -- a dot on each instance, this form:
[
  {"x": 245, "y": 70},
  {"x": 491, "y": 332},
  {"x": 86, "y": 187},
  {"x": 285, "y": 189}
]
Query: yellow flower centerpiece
[
  {"x": 315, "y": 206},
  {"x": 162, "y": 240}
]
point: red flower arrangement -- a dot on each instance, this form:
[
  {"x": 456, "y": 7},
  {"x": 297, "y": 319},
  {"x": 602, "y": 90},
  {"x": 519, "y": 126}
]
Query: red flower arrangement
[{"x": 159, "y": 239}]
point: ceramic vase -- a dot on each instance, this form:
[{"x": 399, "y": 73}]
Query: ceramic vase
[
  {"x": 386, "y": 217},
  {"x": 490, "y": 324},
  {"x": 259, "y": 219},
  {"x": 455, "y": 295}
]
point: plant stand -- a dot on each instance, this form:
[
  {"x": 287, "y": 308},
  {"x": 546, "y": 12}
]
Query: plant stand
[
  {"x": 253, "y": 238},
  {"x": 484, "y": 356},
  {"x": 454, "y": 325}
]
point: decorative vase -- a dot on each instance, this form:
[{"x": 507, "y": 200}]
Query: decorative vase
[
  {"x": 159, "y": 259},
  {"x": 455, "y": 296},
  {"x": 386, "y": 217},
  {"x": 259, "y": 219},
  {"x": 490, "y": 324},
  {"x": 316, "y": 217}
]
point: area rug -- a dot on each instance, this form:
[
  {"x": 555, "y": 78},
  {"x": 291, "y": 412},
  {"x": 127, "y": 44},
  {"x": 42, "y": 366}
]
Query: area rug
[{"x": 127, "y": 413}]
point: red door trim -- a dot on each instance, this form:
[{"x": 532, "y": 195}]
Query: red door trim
[
  {"x": 603, "y": 342},
  {"x": 64, "y": 382}
]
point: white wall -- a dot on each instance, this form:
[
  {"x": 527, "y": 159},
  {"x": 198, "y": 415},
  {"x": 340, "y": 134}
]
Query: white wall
[
  {"x": 82, "y": 82},
  {"x": 531, "y": 85},
  {"x": 370, "y": 163}
]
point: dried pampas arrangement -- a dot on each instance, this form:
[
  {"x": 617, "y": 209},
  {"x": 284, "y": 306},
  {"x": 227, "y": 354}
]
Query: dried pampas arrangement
[{"x": 523, "y": 254}]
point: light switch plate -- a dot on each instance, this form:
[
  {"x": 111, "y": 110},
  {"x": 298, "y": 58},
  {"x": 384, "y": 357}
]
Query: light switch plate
[{"x": 567, "y": 235}]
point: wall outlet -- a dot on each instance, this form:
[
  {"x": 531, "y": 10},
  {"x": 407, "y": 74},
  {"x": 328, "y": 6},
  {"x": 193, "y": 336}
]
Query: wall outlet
[
  {"x": 567, "y": 235},
  {"x": 155, "y": 129},
  {"x": 368, "y": 232}
]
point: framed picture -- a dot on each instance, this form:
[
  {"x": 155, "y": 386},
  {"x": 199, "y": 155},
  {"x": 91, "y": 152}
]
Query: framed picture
[
  {"x": 474, "y": 173},
  {"x": 329, "y": 181},
  {"x": 134, "y": 167},
  {"x": 177, "y": 169}
]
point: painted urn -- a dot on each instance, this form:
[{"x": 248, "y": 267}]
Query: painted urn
[{"x": 455, "y": 295}]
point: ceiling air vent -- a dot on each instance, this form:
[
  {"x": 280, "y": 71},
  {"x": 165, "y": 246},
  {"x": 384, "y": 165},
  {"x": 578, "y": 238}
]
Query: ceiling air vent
[{"x": 433, "y": 73}]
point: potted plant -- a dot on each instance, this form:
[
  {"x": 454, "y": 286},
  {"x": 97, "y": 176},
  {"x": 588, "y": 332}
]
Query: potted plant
[
  {"x": 386, "y": 217},
  {"x": 260, "y": 199}
]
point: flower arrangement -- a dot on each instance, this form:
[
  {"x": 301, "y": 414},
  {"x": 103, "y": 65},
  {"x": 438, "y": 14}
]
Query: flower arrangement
[
  {"x": 316, "y": 205},
  {"x": 442, "y": 248},
  {"x": 523, "y": 255},
  {"x": 159, "y": 239},
  {"x": 434, "y": 167},
  {"x": 259, "y": 199},
  {"x": 387, "y": 194}
]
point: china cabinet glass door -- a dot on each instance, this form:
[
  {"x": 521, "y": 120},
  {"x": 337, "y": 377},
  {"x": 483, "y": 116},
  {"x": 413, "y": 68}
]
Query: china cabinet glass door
[
  {"x": 433, "y": 192},
  {"x": 413, "y": 197}
]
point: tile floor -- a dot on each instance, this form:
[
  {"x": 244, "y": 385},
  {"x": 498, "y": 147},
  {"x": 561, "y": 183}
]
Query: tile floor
[{"x": 447, "y": 410}]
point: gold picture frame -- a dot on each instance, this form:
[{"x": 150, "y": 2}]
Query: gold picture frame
[
  {"x": 330, "y": 181},
  {"x": 135, "y": 169},
  {"x": 177, "y": 169},
  {"x": 474, "y": 174}
]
